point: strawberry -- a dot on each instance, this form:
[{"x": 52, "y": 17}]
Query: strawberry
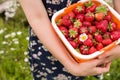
[
  {"x": 71, "y": 14},
  {"x": 98, "y": 38},
  {"x": 90, "y": 6},
  {"x": 102, "y": 9},
  {"x": 99, "y": 46},
  {"x": 107, "y": 41},
  {"x": 79, "y": 9},
  {"x": 64, "y": 31},
  {"x": 106, "y": 35},
  {"x": 80, "y": 17},
  {"x": 77, "y": 24},
  {"x": 86, "y": 23},
  {"x": 84, "y": 49},
  {"x": 92, "y": 50},
  {"x": 83, "y": 30},
  {"x": 94, "y": 42},
  {"x": 112, "y": 26},
  {"x": 99, "y": 16},
  {"x": 91, "y": 9},
  {"x": 108, "y": 17},
  {"x": 73, "y": 32},
  {"x": 92, "y": 29},
  {"x": 115, "y": 35},
  {"x": 66, "y": 21},
  {"x": 89, "y": 16},
  {"x": 74, "y": 44},
  {"x": 77, "y": 40},
  {"x": 88, "y": 42},
  {"x": 58, "y": 22},
  {"x": 90, "y": 36},
  {"x": 71, "y": 26},
  {"x": 102, "y": 26}
]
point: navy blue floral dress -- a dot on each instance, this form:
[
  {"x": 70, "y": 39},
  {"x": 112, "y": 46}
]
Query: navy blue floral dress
[{"x": 43, "y": 65}]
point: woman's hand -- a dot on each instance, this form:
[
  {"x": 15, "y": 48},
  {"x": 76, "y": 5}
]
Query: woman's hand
[
  {"x": 111, "y": 55},
  {"x": 117, "y": 5},
  {"x": 90, "y": 68}
]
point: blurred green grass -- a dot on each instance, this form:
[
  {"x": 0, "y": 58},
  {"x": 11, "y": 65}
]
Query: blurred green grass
[
  {"x": 13, "y": 48},
  {"x": 14, "y": 63}
]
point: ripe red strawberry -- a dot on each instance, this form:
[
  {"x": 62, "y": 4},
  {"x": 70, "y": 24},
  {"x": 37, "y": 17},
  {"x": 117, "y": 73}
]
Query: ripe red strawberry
[
  {"x": 71, "y": 26},
  {"x": 58, "y": 22},
  {"x": 80, "y": 17},
  {"x": 90, "y": 36},
  {"x": 99, "y": 16},
  {"x": 83, "y": 30},
  {"x": 73, "y": 32},
  {"x": 64, "y": 31},
  {"x": 102, "y": 26},
  {"x": 84, "y": 49},
  {"x": 99, "y": 46},
  {"x": 102, "y": 9},
  {"x": 92, "y": 50},
  {"x": 74, "y": 44},
  {"x": 108, "y": 17},
  {"x": 88, "y": 42},
  {"x": 107, "y": 41},
  {"x": 98, "y": 38},
  {"x": 89, "y": 16},
  {"x": 106, "y": 35},
  {"x": 66, "y": 21},
  {"x": 77, "y": 40},
  {"x": 115, "y": 35},
  {"x": 112, "y": 26},
  {"x": 86, "y": 23},
  {"x": 71, "y": 14},
  {"x": 90, "y": 6},
  {"x": 77, "y": 23},
  {"x": 79, "y": 9},
  {"x": 92, "y": 29}
]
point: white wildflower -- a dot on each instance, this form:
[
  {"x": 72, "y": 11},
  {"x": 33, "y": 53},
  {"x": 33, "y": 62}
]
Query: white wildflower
[
  {"x": 25, "y": 53},
  {"x": 16, "y": 42},
  {"x": 12, "y": 49},
  {"x": 83, "y": 37},
  {"x": 27, "y": 38},
  {"x": 108, "y": 74},
  {"x": 15, "y": 39},
  {"x": 26, "y": 60},
  {"x": 13, "y": 34},
  {"x": 2, "y": 30},
  {"x": 19, "y": 33},
  {"x": 4, "y": 42},
  {"x": 7, "y": 36},
  {"x": 1, "y": 52}
]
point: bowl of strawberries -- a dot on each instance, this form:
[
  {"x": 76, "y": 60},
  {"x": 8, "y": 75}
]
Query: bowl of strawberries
[{"x": 87, "y": 28}]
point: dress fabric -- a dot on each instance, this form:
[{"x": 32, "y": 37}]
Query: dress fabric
[{"x": 43, "y": 65}]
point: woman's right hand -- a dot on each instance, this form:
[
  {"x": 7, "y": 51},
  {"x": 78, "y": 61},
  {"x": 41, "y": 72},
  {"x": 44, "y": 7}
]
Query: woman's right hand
[{"x": 89, "y": 68}]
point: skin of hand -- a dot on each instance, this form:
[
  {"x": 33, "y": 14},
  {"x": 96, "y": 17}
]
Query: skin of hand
[
  {"x": 115, "y": 52},
  {"x": 117, "y": 5},
  {"x": 41, "y": 25},
  {"x": 111, "y": 54}
]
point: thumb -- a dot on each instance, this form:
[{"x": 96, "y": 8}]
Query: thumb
[
  {"x": 96, "y": 62},
  {"x": 104, "y": 55}
]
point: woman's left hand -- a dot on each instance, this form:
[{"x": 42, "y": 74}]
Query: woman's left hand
[{"x": 111, "y": 55}]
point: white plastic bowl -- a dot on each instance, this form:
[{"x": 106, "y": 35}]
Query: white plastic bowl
[{"x": 79, "y": 57}]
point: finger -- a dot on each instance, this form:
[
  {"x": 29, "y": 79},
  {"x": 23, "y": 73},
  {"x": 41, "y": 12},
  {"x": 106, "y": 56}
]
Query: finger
[
  {"x": 105, "y": 69},
  {"x": 104, "y": 55},
  {"x": 96, "y": 62},
  {"x": 100, "y": 70},
  {"x": 108, "y": 65}
]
